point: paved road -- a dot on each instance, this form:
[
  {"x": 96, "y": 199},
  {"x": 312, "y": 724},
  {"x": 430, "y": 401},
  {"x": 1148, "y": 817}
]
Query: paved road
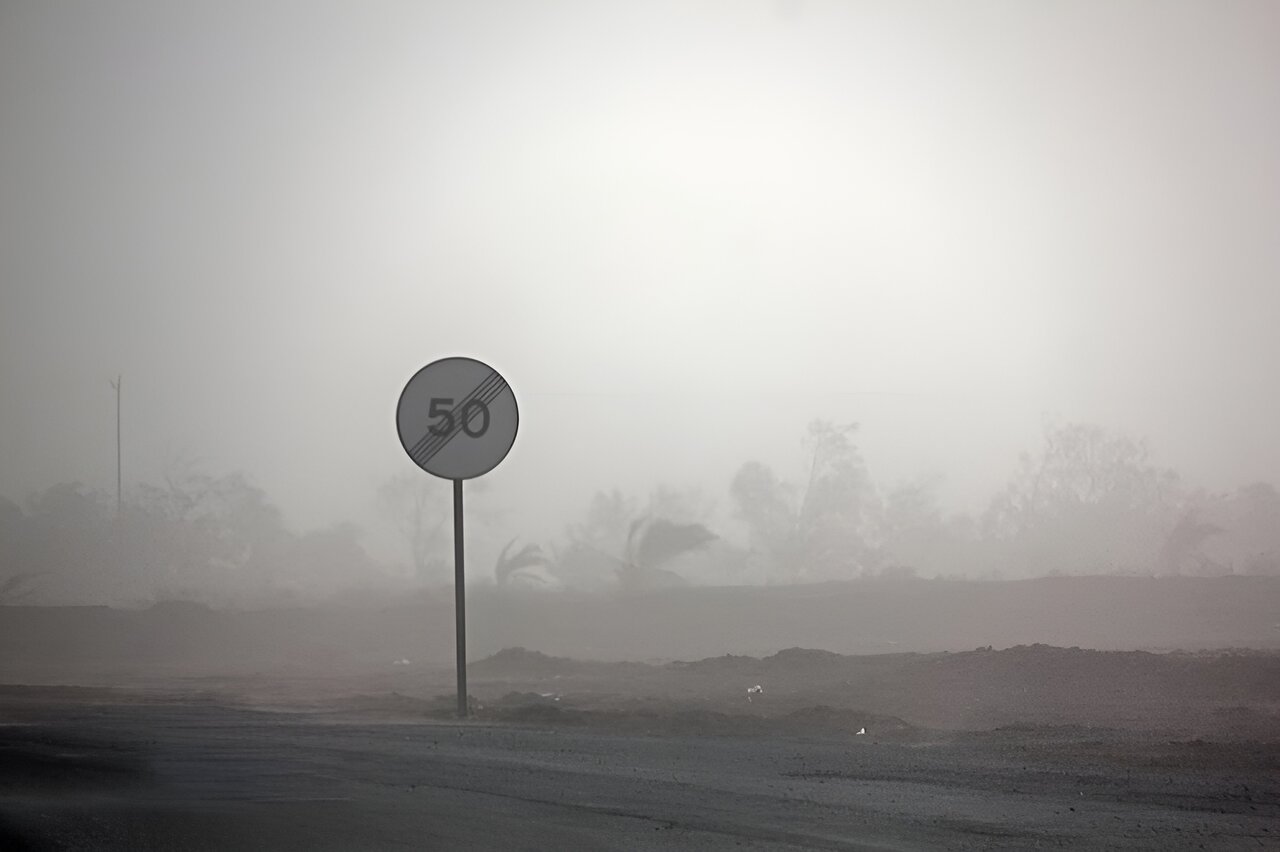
[{"x": 202, "y": 777}]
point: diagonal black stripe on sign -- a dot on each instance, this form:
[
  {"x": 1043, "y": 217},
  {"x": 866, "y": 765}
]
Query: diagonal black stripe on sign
[
  {"x": 487, "y": 396},
  {"x": 430, "y": 444},
  {"x": 430, "y": 437},
  {"x": 424, "y": 443},
  {"x": 488, "y": 391}
]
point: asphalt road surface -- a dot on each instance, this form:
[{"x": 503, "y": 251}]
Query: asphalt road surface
[{"x": 203, "y": 777}]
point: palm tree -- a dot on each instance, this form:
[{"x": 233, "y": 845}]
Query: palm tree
[
  {"x": 526, "y": 557},
  {"x": 15, "y": 587},
  {"x": 652, "y": 543}
]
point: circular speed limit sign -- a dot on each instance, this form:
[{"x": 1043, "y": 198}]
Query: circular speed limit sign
[{"x": 457, "y": 418}]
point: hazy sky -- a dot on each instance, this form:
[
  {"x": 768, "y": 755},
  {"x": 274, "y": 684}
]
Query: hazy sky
[{"x": 681, "y": 230}]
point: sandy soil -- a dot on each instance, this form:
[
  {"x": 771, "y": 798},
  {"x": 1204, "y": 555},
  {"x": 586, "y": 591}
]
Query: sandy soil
[
  {"x": 200, "y": 776},
  {"x": 1023, "y": 748},
  {"x": 860, "y": 617}
]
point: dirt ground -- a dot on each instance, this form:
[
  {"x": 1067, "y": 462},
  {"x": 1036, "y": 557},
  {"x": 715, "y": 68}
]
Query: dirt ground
[
  {"x": 151, "y": 775},
  {"x": 1029, "y": 747}
]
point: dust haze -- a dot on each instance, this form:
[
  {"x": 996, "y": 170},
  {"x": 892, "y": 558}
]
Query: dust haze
[
  {"x": 897, "y": 456},
  {"x": 689, "y": 234}
]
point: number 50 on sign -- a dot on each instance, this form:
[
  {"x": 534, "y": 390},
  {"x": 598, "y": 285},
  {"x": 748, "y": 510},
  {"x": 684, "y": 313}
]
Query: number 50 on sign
[{"x": 457, "y": 418}]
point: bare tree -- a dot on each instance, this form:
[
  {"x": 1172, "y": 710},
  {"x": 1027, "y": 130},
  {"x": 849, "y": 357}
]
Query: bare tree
[
  {"x": 419, "y": 507},
  {"x": 826, "y": 528},
  {"x": 1183, "y": 548},
  {"x": 1091, "y": 501}
]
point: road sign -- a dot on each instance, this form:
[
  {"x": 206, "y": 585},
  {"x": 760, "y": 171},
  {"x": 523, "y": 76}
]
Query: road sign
[{"x": 457, "y": 418}]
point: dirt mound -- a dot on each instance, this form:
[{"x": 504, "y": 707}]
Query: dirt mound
[
  {"x": 1227, "y": 695},
  {"x": 841, "y": 720},
  {"x": 669, "y": 719},
  {"x": 791, "y": 660},
  {"x": 516, "y": 699},
  {"x": 721, "y": 664},
  {"x": 522, "y": 661},
  {"x": 805, "y": 658},
  {"x": 392, "y": 704},
  {"x": 101, "y": 645}
]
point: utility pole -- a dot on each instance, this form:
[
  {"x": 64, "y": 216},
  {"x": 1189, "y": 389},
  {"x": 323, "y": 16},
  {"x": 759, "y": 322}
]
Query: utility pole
[{"x": 116, "y": 384}]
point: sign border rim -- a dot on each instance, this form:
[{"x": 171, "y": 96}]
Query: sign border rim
[{"x": 514, "y": 402}]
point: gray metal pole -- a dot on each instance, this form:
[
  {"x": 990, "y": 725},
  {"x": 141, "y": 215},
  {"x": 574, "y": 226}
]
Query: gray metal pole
[
  {"x": 459, "y": 599},
  {"x": 116, "y": 384}
]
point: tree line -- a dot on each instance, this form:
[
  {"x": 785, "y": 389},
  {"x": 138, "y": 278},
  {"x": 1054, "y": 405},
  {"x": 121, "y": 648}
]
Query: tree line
[
  {"x": 1089, "y": 501},
  {"x": 216, "y": 540}
]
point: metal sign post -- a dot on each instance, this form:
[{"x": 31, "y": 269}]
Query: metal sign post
[
  {"x": 457, "y": 419},
  {"x": 459, "y": 599}
]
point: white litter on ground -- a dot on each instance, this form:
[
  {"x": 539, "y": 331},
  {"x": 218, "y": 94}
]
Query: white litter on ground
[{"x": 861, "y": 731}]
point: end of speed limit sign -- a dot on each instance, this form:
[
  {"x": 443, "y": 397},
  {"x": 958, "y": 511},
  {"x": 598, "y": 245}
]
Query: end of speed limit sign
[{"x": 457, "y": 418}]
